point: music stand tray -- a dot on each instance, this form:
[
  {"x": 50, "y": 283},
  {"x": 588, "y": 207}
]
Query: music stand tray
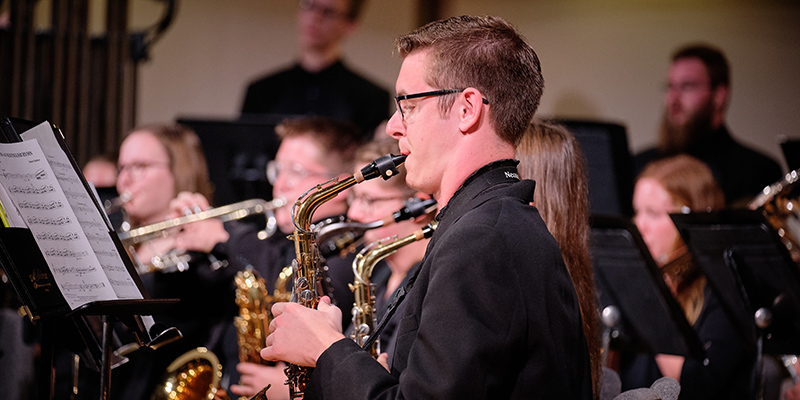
[{"x": 626, "y": 277}]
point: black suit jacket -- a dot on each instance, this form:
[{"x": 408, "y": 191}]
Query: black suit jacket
[{"x": 492, "y": 314}]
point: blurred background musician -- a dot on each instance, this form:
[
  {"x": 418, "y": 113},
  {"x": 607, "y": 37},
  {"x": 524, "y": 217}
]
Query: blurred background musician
[
  {"x": 312, "y": 151},
  {"x": 101, "y": 171},
  {"x": 673, "y": 185},
  {"x": 695, "y": 102},
  {"x": 157, "y": 162},
  {"x": 319, "y": 83},
  {"x": 371, "y": 201},
  {"x": 550, "y": 155}
]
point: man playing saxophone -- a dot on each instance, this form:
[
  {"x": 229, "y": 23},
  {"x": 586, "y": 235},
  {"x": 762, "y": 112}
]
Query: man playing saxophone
[
  {"x": 491, "y": 312},
  {"x": 312, "y": 151}
]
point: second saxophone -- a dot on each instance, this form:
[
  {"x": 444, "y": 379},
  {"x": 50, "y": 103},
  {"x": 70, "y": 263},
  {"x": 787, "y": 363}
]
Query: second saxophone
[{"x": 364, "y": 315}]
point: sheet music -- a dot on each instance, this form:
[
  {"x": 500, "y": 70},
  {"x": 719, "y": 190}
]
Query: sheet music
[
  {"x": 12, "y": 213},
  {"x": 95, "y": 226},
  {"x": 64, "y": 222}
]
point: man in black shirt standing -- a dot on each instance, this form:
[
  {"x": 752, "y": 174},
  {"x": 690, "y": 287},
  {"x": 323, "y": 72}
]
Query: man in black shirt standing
[{"x": 320, "y": 83}]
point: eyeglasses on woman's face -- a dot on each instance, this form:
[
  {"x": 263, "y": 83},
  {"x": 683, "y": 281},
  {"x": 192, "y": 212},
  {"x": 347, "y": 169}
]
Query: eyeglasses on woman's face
[{"x": 138, "y": 170}]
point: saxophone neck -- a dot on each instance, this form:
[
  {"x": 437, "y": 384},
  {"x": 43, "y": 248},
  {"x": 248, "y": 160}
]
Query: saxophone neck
[
  {"x": 304, "y": 208},
  {"x": 368, "y": 258}
]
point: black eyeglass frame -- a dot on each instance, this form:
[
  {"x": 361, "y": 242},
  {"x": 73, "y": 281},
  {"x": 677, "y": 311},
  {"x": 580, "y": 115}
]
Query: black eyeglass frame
[{"x": 440, "y": 92}]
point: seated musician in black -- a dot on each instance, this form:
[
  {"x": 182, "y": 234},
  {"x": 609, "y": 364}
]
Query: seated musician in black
[
  {"x": 156, "y": 162},
  {"x": 374, "y": 200},
  {"x": 312, "y": 151}
]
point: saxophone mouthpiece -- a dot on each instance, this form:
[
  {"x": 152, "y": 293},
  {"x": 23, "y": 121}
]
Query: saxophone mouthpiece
[
  {"x": 385, "y": 167},
  {"x": 414, "y": 208}
]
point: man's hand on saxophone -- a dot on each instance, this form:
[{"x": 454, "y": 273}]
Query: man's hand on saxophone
[{"x": 299, "y": 335}]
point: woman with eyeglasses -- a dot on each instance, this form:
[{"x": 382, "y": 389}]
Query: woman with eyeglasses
[{"x": 162, "y": 174}]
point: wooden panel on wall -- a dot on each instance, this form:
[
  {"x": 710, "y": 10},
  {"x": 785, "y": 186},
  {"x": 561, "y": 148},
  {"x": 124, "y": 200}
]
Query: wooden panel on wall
[{"x": 84, "y": 85}]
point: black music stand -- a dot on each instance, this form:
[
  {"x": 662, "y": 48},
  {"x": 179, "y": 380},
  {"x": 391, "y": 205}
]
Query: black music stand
[
  {"x": 650, "y": 320},
  {"x": 790, "y": 147},
  {"x": 237, "y": 153},
  {"x": 609, "y": 165},
  {"x": 21, "y": 258},
  {"x": 752, "y": 273}
]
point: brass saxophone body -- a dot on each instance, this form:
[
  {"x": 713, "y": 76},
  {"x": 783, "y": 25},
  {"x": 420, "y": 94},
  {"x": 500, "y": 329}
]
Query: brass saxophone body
[
  {"x": 364, "y": 315},
  {"x": 254, "y": 301},
  {"x": 252, "y": 321},
  {"x": 307, "y": 272}
]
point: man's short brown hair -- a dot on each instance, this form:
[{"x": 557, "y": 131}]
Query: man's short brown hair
[
  {"x": 337, "y": 140},
  {"x": 712, "y": 58},
  {"x": 485, "y": 53}
]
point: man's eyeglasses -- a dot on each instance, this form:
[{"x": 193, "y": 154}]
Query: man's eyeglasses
[
  {"x": 137, "y": 170},
  {"x": 442, "y": 92},
  {"x": 324, "y": 11},
  {"x": 294, "y": 173},
  {"x": 686, "y": 87}
]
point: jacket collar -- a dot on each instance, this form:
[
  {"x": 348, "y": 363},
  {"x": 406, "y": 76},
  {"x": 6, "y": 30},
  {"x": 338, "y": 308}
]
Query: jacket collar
[{"x": 496, "y": 172}]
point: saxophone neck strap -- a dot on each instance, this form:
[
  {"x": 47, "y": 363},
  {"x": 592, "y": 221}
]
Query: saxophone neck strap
[{"x": 397, "y": 298}]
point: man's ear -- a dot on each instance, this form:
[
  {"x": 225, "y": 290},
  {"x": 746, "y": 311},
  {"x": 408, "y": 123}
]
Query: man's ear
[
  {"x": 350, "y": 28},
  {"x": 720, "y": 98},
  {"x": 470, "y": 110}
]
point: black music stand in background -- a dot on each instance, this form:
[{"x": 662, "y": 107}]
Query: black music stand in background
[
  {"x": 237, "y": 153},
  {"x": 752, "y": 273},
  {"x": 609, "y": 165},
  {"x": 649, "y": 319}
]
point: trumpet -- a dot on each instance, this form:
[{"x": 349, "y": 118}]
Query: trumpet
[
  {"x": 172, "y": 261},
  {"x": 117, "y": 203}
]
